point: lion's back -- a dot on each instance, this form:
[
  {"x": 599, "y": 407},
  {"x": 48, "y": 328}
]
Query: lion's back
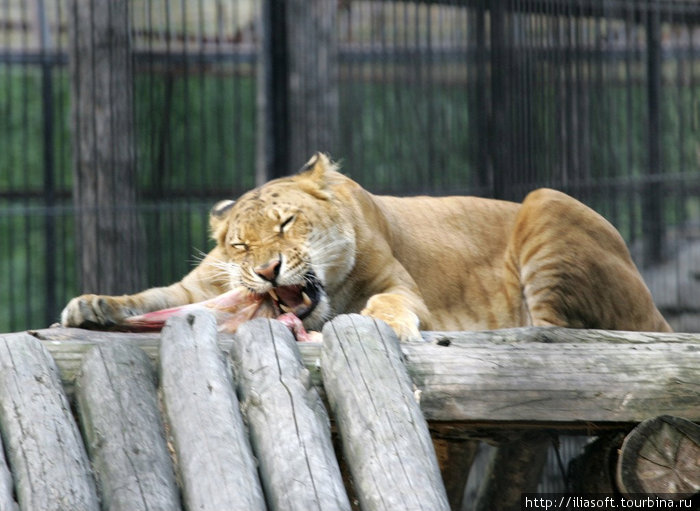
[
  {"x": 574, "y": 268},
  {"x": 551, "y": 260}
]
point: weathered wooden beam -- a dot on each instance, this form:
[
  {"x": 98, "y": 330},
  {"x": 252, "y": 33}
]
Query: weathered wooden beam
[
  {"x": 556, "y": 375},
  {"x": 289, "y": 426},
  {"x": 46, "y": 453},
  {"x": 385, "y": 438},
  {"x": 110, "y": 238},
  {"x": 117, "y": 400},
  {"x": 562, "y": 378},
  {"x": 312, "y": 56},
  {"x": 68, "y": 346},
  {"x": 214, "y": 458},
  {"x": 7, "y": 499}
]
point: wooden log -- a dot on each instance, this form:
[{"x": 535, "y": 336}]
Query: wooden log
[
  {"x": 7, "y": 499},
  {"x": 46, "y": 453},
  {"x": 118, "y": 406},
  {"x": 297, "y": 84},
  {"x": 312, "y": 53},
  {"x": 110, "y": 238},
  {"x": 385, "y": 438},
  {"x": 68, "y": 346},
  {"x": 514, "y": 468},
  {"x": 555, "y": 374},
  {"x": 661, "y": 456},
  {"x": 289, "y": 425},
  {"x": 216, "y": 465},
  {"x": 572, "y": 380}
]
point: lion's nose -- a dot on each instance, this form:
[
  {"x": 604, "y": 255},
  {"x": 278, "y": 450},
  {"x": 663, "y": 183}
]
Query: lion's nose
[{"x": 270, "y": 270}]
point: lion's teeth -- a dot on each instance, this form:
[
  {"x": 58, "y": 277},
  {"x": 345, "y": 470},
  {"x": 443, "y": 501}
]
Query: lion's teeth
[
  {"x": 306, "y": 299},
  {"x": 285, "y": 308},
  {"x": 274, "y": 295}
]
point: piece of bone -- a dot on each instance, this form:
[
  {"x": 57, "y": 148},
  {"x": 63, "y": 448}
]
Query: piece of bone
[{"x": 231, "y": 309}]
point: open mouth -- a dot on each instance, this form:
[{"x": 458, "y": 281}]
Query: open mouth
[{"x": 300, "y": 300}]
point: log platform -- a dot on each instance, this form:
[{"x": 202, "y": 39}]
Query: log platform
[{"x": 192, "y": 419}]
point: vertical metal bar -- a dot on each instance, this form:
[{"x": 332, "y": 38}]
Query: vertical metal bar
[
  {"x": 569, "y": 96},
  {"x": 612, "y": 115},
  {"x": 652, "y": 220},
  {"x": 48, "y": 155},
  {"x": 692, "y": 103},
  {"x": 157, "y": 149},
  {"x": 171, "y": 27},
  {"x": 482, "y": 107},
  {"x": 66, "y": 242},
  {"x": 8, "y": 161},
  {"x": 629, "y": 106},
  {"x": 434, "y": 156},
  {"x": 682, "y": 65},
  {"x": 24, "y": 164},
  {"x": 273, "y": 152},
  {"x": 499, "y": 141}
]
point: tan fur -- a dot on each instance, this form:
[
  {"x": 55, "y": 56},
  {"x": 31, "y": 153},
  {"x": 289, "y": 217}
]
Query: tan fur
[{"x": 452, "y": 263}]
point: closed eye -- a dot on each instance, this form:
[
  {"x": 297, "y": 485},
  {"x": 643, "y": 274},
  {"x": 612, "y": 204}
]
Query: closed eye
[
  {"x": 240, "y": 246},
  {"x": 287, "y": 222}
]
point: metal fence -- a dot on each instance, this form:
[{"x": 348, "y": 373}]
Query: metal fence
[{"x": 122, "y": 122}]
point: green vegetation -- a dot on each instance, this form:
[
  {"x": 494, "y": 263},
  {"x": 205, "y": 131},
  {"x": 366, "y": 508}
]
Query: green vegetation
[
  {"x": 195, "y": 142},
  {"x": 195, "y": 132},
  {"x": 400, "y": 133}
]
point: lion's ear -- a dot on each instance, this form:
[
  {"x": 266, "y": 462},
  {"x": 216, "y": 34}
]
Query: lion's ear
[
  {"x": 320, "y": 173},
  {"x": 218, "y": 219},
  {"x": 317, "y": 168}
]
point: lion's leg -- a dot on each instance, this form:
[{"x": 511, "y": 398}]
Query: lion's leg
[
  {"x": 89, "y": 310},
  {"x": 94, "y": 311},
  {"x": 395, "y": 299},
  {"x": 575, "y": 269}
]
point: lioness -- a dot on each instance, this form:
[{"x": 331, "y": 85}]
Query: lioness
[{"x": 317, "y": 244}]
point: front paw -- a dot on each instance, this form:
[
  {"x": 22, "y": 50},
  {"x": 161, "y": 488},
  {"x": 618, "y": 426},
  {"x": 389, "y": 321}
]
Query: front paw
[
  {"x": 94, "y": 311},
  {"x": 392, "y": 311},
  {"x": 405, "y": 330}
]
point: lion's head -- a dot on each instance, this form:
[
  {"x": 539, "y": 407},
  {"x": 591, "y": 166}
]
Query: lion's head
[{"x": 289, "y": 239}]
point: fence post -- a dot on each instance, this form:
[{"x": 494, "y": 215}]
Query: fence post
[
  {"x": 500, "y": 141},
  {"x": 109, "y": 238},
  {"x": 652, "y": 216},
  {"x": 48, "y": 155},
  {"x": 297, "y": 84},
  {"x": 272, "y": 151},
  {"x": 313, "y": 78}
]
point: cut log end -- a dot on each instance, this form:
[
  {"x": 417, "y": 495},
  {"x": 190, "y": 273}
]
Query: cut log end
[{"x": 661, "y": 456}]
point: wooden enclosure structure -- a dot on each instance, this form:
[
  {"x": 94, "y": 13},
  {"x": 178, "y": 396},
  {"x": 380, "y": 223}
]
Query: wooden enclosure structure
[{"x": 248, "y": 421}]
